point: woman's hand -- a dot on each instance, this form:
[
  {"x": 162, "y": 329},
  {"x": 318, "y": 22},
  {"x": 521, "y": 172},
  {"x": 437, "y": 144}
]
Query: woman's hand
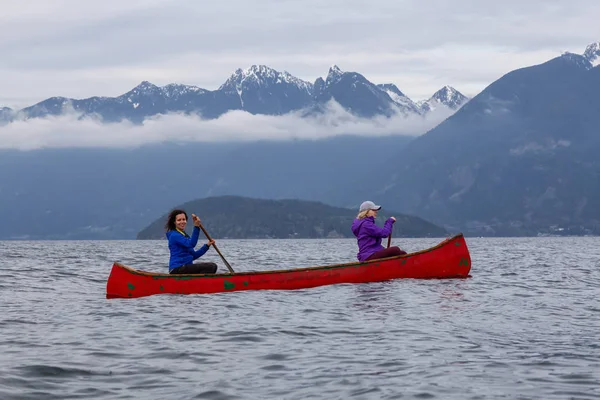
[
  {"x": 196, "y": 220},
  {"x": 393, "y": 219},
  {"x": 210, "y": 242}
]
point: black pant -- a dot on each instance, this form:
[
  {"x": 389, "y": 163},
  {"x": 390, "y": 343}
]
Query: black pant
[
  {"x": 389, "y": 252},
  {"x": 198, "y": 268}
]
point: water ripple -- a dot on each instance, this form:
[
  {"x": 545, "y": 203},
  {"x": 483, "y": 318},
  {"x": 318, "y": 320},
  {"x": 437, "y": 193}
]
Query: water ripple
[{"x": 524, "y": 326}]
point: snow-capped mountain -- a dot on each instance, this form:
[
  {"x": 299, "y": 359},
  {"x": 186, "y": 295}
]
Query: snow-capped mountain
[
  {"x": 445, "y": 97},
  {"x": 263, "y": 90},
  {"x": 334, "y": 75},
  {"x": 261, "y": 75},
  {"x": 403, "y": 101},
  {"x": 588, "y": 60},
  {"x": 176, "y": 91},
  {"x": 353, "y": 92},
  {"x": 592, "y": 53},
  {"x": 258, "y": 89}
]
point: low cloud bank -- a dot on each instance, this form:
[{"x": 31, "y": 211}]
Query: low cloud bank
[{"x": 72, "y": 130}]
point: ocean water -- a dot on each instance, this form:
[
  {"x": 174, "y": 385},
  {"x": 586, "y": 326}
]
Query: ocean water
[{"x": 525, "y": 326}]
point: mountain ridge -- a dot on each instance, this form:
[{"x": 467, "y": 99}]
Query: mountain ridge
[{"x": 258, "y": 89}]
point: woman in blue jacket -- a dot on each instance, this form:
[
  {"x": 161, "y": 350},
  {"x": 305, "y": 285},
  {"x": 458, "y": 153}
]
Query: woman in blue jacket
[
  {"x": 369, "y": 235},
  {"x": 181, "y": 246}
]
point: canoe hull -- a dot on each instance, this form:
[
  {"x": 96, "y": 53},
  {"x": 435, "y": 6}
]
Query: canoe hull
[{"x": 449, "y": 259}]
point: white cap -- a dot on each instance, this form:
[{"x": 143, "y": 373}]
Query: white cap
[{"x": 369, "y": 205}]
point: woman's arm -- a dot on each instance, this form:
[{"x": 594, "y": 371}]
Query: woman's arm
[
  {"x": 373, "y": 230},
  {"x": 188, "y": 243},
  {"x": 200, "y": 252}
]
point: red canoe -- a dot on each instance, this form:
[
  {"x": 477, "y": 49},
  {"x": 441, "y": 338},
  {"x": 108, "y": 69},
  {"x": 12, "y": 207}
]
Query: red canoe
[{"x": 449, "y": 259}]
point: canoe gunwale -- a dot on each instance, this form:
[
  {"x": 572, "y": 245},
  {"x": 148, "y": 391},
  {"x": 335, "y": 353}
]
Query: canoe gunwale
[{"x": 278, "y": 271}]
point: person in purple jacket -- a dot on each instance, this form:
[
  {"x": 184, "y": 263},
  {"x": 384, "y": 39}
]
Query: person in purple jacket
[
  {"x": 369, "y": 235},
  {"x": 181, "y": 246}
]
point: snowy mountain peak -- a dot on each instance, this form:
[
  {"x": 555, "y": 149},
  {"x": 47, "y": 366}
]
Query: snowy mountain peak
[
  {"x": 146, "y": 86},
  {"x": 335, "y": 70},
  {"x": 173, "y": 90},
  {"x": 579, "y": 60},
  {"x": 446, "y": 96},
  {"x": 175, "y": 86},
  {"x": 390, "y": 87},
  {"x": 254, "y": 73},
  {"x": 399, "y": 98},
  {"x": 334, "y": 74},
  {"x": 592, "y": 53},
  {"x": 262, "y": 70},
  {"x": 262, "y": 75}
]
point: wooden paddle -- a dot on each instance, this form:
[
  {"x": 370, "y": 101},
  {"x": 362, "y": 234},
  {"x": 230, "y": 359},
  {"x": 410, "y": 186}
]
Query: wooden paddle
[
  {"x": 390, "y": 237},
  {"x": 217, "y": 249}
]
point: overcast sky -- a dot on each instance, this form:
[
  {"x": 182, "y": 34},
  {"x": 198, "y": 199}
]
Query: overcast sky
[{"x": 79, "y": 49}]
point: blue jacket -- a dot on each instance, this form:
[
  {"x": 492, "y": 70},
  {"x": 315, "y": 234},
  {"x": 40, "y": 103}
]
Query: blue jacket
[
  {"x": 182, "y": 246},
  {"x": 369, "y": 235}
]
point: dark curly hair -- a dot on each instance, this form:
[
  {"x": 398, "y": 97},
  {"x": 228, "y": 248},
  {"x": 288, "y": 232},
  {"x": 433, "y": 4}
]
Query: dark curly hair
[{"x": 170, "y": 225}]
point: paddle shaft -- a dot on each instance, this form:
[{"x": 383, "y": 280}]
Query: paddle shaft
[
  {"x": 217, "y": 249},
  {"x": 390, "y": 237}
]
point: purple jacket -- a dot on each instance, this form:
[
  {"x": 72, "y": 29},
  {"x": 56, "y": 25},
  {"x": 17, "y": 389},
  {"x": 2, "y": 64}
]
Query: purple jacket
[{"x": 369, "y": 235}]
